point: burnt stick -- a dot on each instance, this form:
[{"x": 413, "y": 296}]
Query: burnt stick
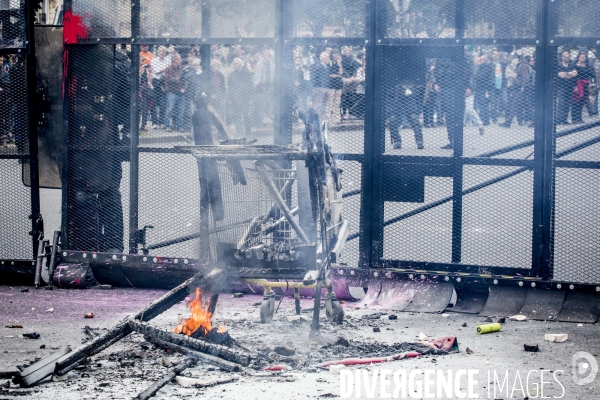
[{"x": 151, "y": 391}]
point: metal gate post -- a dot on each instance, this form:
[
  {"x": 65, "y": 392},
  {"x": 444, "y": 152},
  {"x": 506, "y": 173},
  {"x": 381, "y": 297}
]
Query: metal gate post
[
  {"x": 459, "y": 110},
  {"x": 32, "y": 124},
  {"x": 371, "y": 217},
  {"x": 134, "y": 172},
  {"x": 543, "y": 175}
]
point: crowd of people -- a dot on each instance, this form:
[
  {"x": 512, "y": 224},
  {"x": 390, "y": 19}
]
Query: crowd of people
[{"x": 240, "y": 84}]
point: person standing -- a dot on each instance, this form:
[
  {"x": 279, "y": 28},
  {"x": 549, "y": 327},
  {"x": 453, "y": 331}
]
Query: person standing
[
  {"x": 158, "y": 66},
  {"x": 498, "y": 95},
  {"x": 175, "y": 87},
  {"x": 585, "y": 76},
  {"x": 564, "y": 81},
  {"x": 349, "y": 66},
  {"x": 336, "y": 86},
  {"x": 240, "y": 91},
  {"x": 321, "y": 87},
  {"x": 520, "y": 92},
  {"x": 484, "y": 86},
  {"x": 264, "y": 84}
]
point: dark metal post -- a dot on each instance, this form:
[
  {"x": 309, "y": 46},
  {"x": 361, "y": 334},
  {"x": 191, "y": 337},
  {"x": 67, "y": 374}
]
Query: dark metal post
[
  {"x": 67, "y": 5},
  {"x": 458, "y": 99},
  {"x": 371, "y": 217},
  {"x": 134, "y": 172},
  {"x": 544, "y": 140},
  {"x": 32, "y": 124}
]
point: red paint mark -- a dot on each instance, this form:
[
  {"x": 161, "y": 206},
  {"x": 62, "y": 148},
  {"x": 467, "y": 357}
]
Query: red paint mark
[
  {"x": 74, "y": 28},
  {"x": 360, "y": 361},
  {"x": 280, "y": 367}
]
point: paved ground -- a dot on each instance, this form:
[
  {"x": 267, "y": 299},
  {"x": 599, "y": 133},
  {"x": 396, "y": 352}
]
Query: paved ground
[{"x": 106, "y": 378}]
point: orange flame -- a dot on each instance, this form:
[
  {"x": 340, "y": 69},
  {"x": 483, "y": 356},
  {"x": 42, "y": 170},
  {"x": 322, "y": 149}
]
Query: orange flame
[
  {"x": 200, "y": 317},
  {"x": 222, "y": 328}
]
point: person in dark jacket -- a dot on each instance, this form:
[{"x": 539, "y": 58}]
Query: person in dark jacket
[
  {"x": 564, "y": 82},
  {"x": 452, "y": 80},
  {"x": 484, "y": 85},
  {"x": 520, "y": 89}
]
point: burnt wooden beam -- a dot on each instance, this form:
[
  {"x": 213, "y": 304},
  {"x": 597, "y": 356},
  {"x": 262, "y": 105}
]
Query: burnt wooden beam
[
  {"x": 201, "y": 346},
  {"x": 71, "y": 360},
  {"x": 151, "y": 391},
  {"x": 41, "y": 369},
  {"x": 122, "y": 329},
  {"x": 216, "y": 361}
]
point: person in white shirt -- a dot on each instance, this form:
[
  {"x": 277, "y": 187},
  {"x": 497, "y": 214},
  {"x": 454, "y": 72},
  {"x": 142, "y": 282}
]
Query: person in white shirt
[{"x": 157, "y": 67}]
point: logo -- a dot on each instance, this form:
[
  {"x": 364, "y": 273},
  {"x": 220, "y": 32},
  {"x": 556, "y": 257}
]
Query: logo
[{"x": 584, "y": 368}]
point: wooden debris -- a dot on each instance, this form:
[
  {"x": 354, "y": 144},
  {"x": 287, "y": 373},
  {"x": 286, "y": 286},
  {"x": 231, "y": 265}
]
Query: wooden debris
[
  {"x": 151, "y": 391},
  {"x": 223, "y": 364},
  {"x": 41, "y": 369}
]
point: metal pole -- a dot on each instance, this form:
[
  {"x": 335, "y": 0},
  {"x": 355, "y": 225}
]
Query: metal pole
[
  {"x": 134, "y": 172},
  {"x": 371, "y": 217},
  {"x": 65, "y": 133},
  {"x": 544, "y": 153},
  {"x": 32, "y": 125},
  {"x": 457, "y": 134}
]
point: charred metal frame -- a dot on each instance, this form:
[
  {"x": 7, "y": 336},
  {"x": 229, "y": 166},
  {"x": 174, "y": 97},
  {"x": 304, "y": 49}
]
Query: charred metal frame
[{"x": 370, "y": 232}]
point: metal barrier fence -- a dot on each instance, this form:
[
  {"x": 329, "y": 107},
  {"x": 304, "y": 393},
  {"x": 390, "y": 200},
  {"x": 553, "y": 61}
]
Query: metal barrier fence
[
  {"x": 467, "y": 130},
  {"x": 20, "y": 225}
]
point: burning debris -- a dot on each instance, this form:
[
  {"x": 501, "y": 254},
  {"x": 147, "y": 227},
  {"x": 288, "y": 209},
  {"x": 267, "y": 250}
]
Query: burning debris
[{"x": 199, "y": 324}]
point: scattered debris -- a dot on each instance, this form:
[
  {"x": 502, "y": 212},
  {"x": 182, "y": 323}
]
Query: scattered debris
[
  {"x": 50, "y": 310},
  {"x": 40, "y": 369},
  {"x": 89, "y": 333},
  {"x": 445, "y": 315},
  {"x": 14, "y": 326},
  {"x": 25, "y": 290},
  {"x": 9, "y": 373},
  {"x": 151, "y": 391},
  {"x": 256, "y": 304},
  {"x": 237, "y": 295},
  {"x": 376, "y": 329},
  {"x": 392, "y": 317},
  {"x": 556, "y": 337},
  {"x": 464, "y": 325},
  {"x": 518, "y": 318},
  {"x": 488, "y": 319},
  {"x": 336, "y": 368},
  {"x": 279, "y": 367},
  {"x": 284, "y": 351},
  {"x": 423, "y": 336},
  {"x": 377, "y": 315},
  {"x": 32, "y": 335},
  {"x": 534, "y": 348},
  {"x": 297, "y": 318},
  {"x": 488, "y": 328},
  {"x": 579, "y": 324},
  {"x": 198, "y": 383},
  {"x": 501, "y": 320},
  {"x": 469, "y": 351},
  {"x": 89, "y": 315},
  {"x": 60, "y": 378},
  {"x": 376, "y": 360},
  {"x": 43, "y": 346}
]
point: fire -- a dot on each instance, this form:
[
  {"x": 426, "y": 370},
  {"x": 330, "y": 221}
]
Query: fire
[
  {"x": 200, "y": 318},
  {"x": 222, "y": 328}
]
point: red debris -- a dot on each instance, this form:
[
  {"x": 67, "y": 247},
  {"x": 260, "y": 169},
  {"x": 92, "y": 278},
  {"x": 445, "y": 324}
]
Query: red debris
[
  {"x": 376, "y": 360},
  {"x": 279, "y": 367}
]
